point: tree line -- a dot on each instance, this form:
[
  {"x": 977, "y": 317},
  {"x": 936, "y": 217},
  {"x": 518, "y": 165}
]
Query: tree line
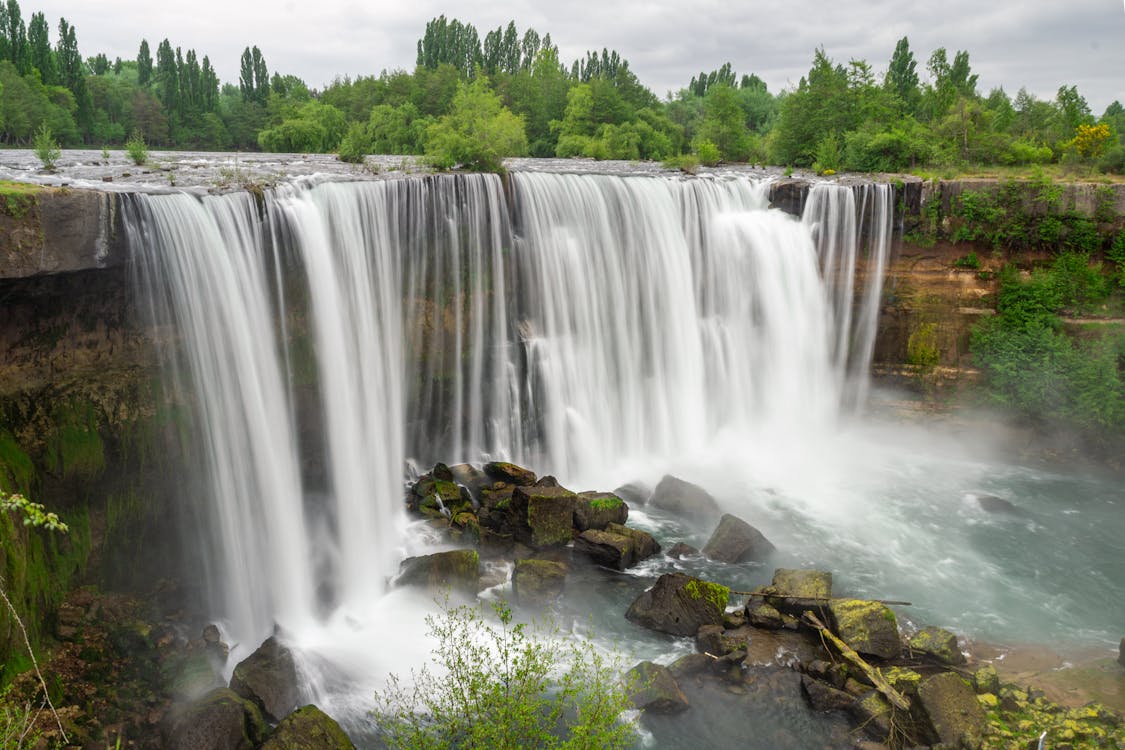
[{"x": 507, "y": 93}]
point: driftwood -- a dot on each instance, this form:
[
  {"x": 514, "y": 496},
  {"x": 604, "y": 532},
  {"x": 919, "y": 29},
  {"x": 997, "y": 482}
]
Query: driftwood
[
  {"x": 816, "y": 598},
  {"x": 896, "y": 699}
]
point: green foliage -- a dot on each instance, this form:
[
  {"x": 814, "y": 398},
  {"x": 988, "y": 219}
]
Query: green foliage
[
  {"x": 970, "y": 260},
  {"x": 500, "y": 686},
  {"x": 33, "y": 514},
  {"x": 136, "y": 148},
  {"x": 922, "y": 346},
  {"x": 355, "y": 145},
  {"x": 687, "y": 163},
  {"x": 17, "y": 723},
  {"x": 477, "y": 134},
  {"x": 707, "y": 152},
  {"x": 313, "y": 128},
  {"x": 828, "y": 155},
  {"x": 1077, "y": 285},
  {"x": 1116, "y": 254},
  {"x": 46, "y": 147}
]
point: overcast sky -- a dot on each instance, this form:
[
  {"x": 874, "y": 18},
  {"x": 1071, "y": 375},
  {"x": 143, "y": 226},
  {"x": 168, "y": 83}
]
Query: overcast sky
[{"x": 1039, "y": 44}]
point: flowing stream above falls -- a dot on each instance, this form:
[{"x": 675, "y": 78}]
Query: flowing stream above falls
[{"x": 602, "y": 328}]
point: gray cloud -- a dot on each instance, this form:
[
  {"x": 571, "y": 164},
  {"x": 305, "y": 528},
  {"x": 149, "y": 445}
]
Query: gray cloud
[{"x": 1037, "y": 45}]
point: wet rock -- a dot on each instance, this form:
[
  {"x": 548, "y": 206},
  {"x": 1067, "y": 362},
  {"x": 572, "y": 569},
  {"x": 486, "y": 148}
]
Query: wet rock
[
  {"x": 868, "y": 627},
  {"x": 308, "y": 728},
  {"x": 952, "y": 710},
  {"x": 545, "y": 515},
  {"x": 872, "y": 711},
  {"x": 794, "y": 591},
  {"x": 824, "y": 697},
  {"x": 993, "y": 504},
  {"x": 679, "y": 604},
  {"x": 191, "y": 674},
  {"x": 442, "y": 472},
  {"x": 644, "y": 545},
  {"x": 690, "y": 666},
  {"x": 221, "y": 720},
  {"x": 937, "y": 643},
  {"x": 547, "y": 481},
  {"x": 606, "y": 548},
  {"x": 538, "y": 582},
  {"x": 471, "y": 478},
  {"x": 986, "y": 680},
  {"x": 634, "y": 493},
  {"x": 510, "y": 473},
  {"x": 735, "y": 541},
  {"x": 268, "y": 678},
  {"x": 655, "y": 689},
  {"x": 596, "y": 510},
  {"x": 734, "y": 620},
  {"x": 685, "y": 499},
  {"x": 717, "y": 641},
  {"x": 904, "y": 680},
  {"x": 434, "y": 497},
  {"x": 762, "y": 615},
  {"x": 457, "y": 569},
  {"x": 680, "y": 550}
]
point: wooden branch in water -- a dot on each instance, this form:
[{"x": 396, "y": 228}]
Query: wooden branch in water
[
  {"x": 897, "y": 699},
  {"x": 818, "y": 598}
]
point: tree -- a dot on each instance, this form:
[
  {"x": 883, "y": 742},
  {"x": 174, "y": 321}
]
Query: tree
[
  {"x": 902, "y": 77},
  {"x": 18, "y": 51},
  {"x": 144, "y": 64},
  {"x": 39, "y": 49},
  {"x": 505, "y": 689},
  {"x": 478, "y": 133}
]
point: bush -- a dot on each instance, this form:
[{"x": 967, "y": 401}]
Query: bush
[
  {"x": 478, "y": 133},
  {"x": 355, "y": 144},
  {"x": 136, "y": 149},
  {"x": 46, "y": 147},
  {"x": 707, "y": 151},
  {"x": 504, "y": 690},
  {"x": 1078, "y": 285}
]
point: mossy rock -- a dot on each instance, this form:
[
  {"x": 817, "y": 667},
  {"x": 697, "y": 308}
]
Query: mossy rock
[
  {"x": 655, "y": 689},
  {"x": 937, "y": 643},
  {"x": 868, "y": 627},
  {"x": 510, "y": 473},
  {"x": 431, "y": 496},
  {"x": 538, "y": 582},
  {"x": 644, "y": 544},
  {"x": 954, "y": 714},
  {"x": 986, "y": 679},
  {"x": 221, "y": 720},
  {"x": 545, "y": 515},
  {"x": 606, "y": 548},
  {"x": 596, "y": 510},
  {"x": 458, "y": 569},
  {"x": 268, "y": 678},
  {"x": 679, "y": 604},
  {"x": 794, "y": 591},
  {"x": 308, "y": 728}
]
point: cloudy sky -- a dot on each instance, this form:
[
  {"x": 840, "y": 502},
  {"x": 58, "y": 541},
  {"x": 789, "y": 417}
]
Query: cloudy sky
[{"x": 1039, "y": 44}]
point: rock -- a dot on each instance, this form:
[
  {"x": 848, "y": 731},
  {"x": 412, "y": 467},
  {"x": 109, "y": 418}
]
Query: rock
[
  {"x": 868, "y": 627},
  {"x": 308, "y": 728},
  {"x": 633, "y": 492},
  {"x": 937, "y": 643},
  {"x": 510, "y": 473},
  {"x": 191, "y": 674},
  {"x": 717, "y": 641},
  {"x": 547, "y": 481},
  {"x": 824, "y": 697},
  {"x": 953, "y": 712},
  {"x": 538, "y": 582},
  {"x": 690, "y": 666},
  {"x": 903, "y": 679},
  {"x": 268, "y": 678},
  {"x": 762, "y": 615},
  {"x": 606, "y": 548},
  {"x": 680, "y": 550},
  {"x": 653, "y": 688},
  {"x": 993, "y": 504},
  {"x": 679, "y": 604},
  {"x": 986, "y": 680},
  {"x": 873, "y": 713},
  {"x": 735, "y": 541},
  {"x": 471, "y": 478},
  {"x": 644, "y": 545},
  {"x": 544, "y": 515},
  {"x": 442, "y": 472},
  {"x": 795, "y": 591},
  {"x": 596, "y": 510},
  {"x": 685, "y": 499},
  {"x": 435, "y": 497},
  {"x": 457, "y": 569},
  {"x": 221, "y": 720},
  {"x": 211, "y": 634}
]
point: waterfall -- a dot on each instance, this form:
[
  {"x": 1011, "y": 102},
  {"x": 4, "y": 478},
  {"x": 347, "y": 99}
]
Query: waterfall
[{"x": 334, "y": 331}]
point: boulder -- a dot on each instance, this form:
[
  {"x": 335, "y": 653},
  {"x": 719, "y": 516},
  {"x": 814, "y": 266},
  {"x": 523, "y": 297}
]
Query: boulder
[
  {"x": 596, "y": 510},
  {"x": 606, "y": 548},
  {"x": 717, "y": 641},
  {"x": 824, "y": 697},
  {"x": 457, "y": 569},
  {"x": 691, "y": 665},
  {"x": 510, "y": 473},
  {"x": 679, "y": 604},
  {"x": 268, "y": 678},
  {"x": 431, "y": 496},
  {"x": 634, "y": 493},
  {"x": 795, "y": 591},
  {"x": 986, "y": 680},
  {"x": 220, "y": 720},
  {"x": 544, "y": 516},
  {"x": 538, "y": 582},
  {"x": 762, "y": 615},
  {"x": 868, "y": 627},
  {"x": 937, "y": 643},
  {"x": 993, "y": 504},
  {"x": 191, "y": 674},
  {"x": 680, "y": 550},
  {"x": 735, "y": 541},
  {"x": 953, "y": 712},
  {"x": 644, "y": 545},
  {"x": 872, "y": 712},
  {"x": 653, "y": 688},
  {"x": 685, "y": 499},
  {"x": 308, "y": 728},
  {"x": 471, "y": 478}
]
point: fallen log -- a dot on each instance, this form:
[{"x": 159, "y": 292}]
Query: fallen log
[{"x": 894, "y": 697}]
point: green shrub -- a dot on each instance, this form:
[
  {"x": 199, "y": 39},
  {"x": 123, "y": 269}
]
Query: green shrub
[
  {"x": 1078, "y": 284},
  {"x": 355, "y": 144},
  {"x": 687, "y": 163},
  {"x": 829, "y": 155},
  {"x": 46, "y": 147},
  {"x": 706, "y": 151},
  {"x": 478, "y": 133},
  {"x": 1116, "y": 254},
  {"x": 500, "y": 687},
  {"x": 136, "y": 148},
  {"x": 970, "y": 260}
]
